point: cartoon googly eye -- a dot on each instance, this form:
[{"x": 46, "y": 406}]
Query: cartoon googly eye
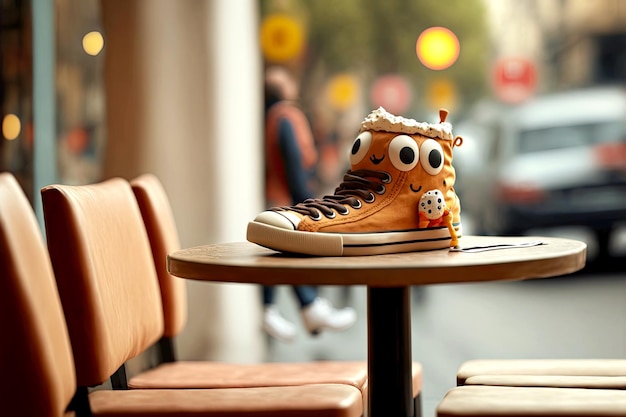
[
  {"x": 404, "y": 152},
  {"x": 431, "y": 155},
  {"x": 360, "y": 146}
]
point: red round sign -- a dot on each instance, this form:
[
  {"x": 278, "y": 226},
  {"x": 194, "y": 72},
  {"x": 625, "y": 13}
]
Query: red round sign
[
  {"x": 392, "y": 92},
  {"x": 514, "y": 79}
]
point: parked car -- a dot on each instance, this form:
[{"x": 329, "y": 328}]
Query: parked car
[{"x": 558, "y": 160}]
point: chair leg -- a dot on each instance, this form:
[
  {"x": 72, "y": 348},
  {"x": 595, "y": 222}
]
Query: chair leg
[
  {"x": 80, "y": 403},
  {"x": 119, "y": 380},
  {"x": 166, "y": 349}
]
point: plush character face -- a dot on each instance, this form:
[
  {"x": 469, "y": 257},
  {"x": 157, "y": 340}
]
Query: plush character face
[{"x": 423, "y": 163}]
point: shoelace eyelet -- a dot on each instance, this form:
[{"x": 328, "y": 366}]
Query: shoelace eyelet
[
  {"x": 387, "y": 179},
  {"x": 345, "y": 210},
  {"x": 332, "y": 215},
  {"x": 371, "y": 198},
  {"x": 357, "y": 206},
  {"x": 381, "y": 190},
  {"x": 318, "y": 217}
]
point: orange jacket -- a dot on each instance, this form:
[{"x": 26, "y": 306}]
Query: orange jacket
[{"x": 276, "y": 186}]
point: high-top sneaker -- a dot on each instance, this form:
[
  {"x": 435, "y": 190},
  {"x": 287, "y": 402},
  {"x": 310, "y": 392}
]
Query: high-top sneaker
[{"x": 398, "y": 196}]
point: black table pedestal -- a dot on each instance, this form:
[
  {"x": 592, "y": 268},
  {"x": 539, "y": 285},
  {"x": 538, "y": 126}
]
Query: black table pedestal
[{"x": 389, "y": 352}]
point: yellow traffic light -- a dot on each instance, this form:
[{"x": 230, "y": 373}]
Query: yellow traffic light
[{"x": 437, "y": 48}]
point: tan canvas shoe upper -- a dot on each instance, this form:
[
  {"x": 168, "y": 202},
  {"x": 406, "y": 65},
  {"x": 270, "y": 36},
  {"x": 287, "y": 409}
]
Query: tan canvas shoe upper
[{"x": 401, "y": 180}]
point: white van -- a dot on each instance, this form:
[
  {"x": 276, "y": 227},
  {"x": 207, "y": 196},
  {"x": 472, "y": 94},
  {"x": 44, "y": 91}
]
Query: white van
[{"x": 557, "y": 160}]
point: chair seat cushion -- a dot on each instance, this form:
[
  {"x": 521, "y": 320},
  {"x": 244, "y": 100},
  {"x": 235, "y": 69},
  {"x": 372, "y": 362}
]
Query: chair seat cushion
[
  {"x": 513, "y": 401},
  {"x": 324, "y": 400},
  {"x": 580, "y": 367},
  {"x": 207, "y": 374}
]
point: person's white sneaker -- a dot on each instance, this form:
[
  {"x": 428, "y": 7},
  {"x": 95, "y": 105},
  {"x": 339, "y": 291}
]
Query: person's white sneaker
[
  {"x": 277, "y": 326},
  {"x": 321, "y": 315}
]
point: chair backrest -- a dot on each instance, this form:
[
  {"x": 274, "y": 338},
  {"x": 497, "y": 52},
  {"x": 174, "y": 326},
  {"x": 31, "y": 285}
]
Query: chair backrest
[
  {"x": 37, "y": 368},
  {"x": 163, "y": 234},
  {"x": 105, "y": 274}
]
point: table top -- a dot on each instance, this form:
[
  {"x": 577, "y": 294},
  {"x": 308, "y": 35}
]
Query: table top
[{"x": 245, "y": 262}]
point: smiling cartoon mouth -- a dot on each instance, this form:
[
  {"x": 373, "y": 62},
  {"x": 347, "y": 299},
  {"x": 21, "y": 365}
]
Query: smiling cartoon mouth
[
  {"x": 375, "y": 160},
  {"x": 415, "y": 190}
]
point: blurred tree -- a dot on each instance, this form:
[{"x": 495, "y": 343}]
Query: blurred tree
[{"x": 370, "y": 38}]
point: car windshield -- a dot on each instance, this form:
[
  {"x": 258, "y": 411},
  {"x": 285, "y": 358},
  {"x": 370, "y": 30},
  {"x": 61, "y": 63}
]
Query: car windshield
[{"x": 560, "y": 137}]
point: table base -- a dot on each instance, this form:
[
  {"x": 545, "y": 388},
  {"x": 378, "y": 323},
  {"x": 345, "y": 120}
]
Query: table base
[{"x": 389, "y": 352}]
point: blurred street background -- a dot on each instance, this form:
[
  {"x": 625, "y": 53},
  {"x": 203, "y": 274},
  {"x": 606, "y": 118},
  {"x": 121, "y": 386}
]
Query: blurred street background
[
  {"x": 576, "y": 316},
  {"x": 537, "y": 93}
]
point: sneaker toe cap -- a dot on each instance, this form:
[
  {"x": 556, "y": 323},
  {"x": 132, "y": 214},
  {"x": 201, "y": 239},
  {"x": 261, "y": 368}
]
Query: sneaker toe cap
[{"x": 283, "y": 219}]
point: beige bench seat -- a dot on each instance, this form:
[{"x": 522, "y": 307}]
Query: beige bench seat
[
  {"x": 490, "y": 401},
  {"x": 575, "y": 367}
]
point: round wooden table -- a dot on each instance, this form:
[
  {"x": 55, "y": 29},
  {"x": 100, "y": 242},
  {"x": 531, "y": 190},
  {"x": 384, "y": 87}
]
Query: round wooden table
[{"x": 388, "y": 279}]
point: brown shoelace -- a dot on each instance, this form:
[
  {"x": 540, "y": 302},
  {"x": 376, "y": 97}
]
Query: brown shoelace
[{"x": 356, "y": 186}]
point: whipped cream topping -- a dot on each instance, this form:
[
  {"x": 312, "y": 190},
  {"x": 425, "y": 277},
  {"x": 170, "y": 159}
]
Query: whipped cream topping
[{"x": 383, "y": 121}]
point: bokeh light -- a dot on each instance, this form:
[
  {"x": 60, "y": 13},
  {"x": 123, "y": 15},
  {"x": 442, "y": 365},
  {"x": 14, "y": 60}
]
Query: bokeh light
[
  {"x": 282, "y": 38},
  {"x": 437, "y": 48},
  {"x": 93, "y": 42},
  {"x": 11, "y": 126},
  {"x": 442, "y": 93},
  {"x": 342, "y": 91},
  {"x": 77, "y": 140}
]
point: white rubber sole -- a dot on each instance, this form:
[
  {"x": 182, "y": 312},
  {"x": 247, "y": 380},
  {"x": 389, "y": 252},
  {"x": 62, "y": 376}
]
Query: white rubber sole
[{"x": 349, "y": 244}]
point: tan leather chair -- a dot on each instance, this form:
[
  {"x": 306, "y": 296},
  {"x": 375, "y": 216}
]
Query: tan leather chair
[
  {"x": 163, "y": 234},
  {"x": 504, "y": 372},
  {"x": 36, "y": 362},
  {"x": 488, "y": 401},
  {"x": 110, "y": 296}
]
